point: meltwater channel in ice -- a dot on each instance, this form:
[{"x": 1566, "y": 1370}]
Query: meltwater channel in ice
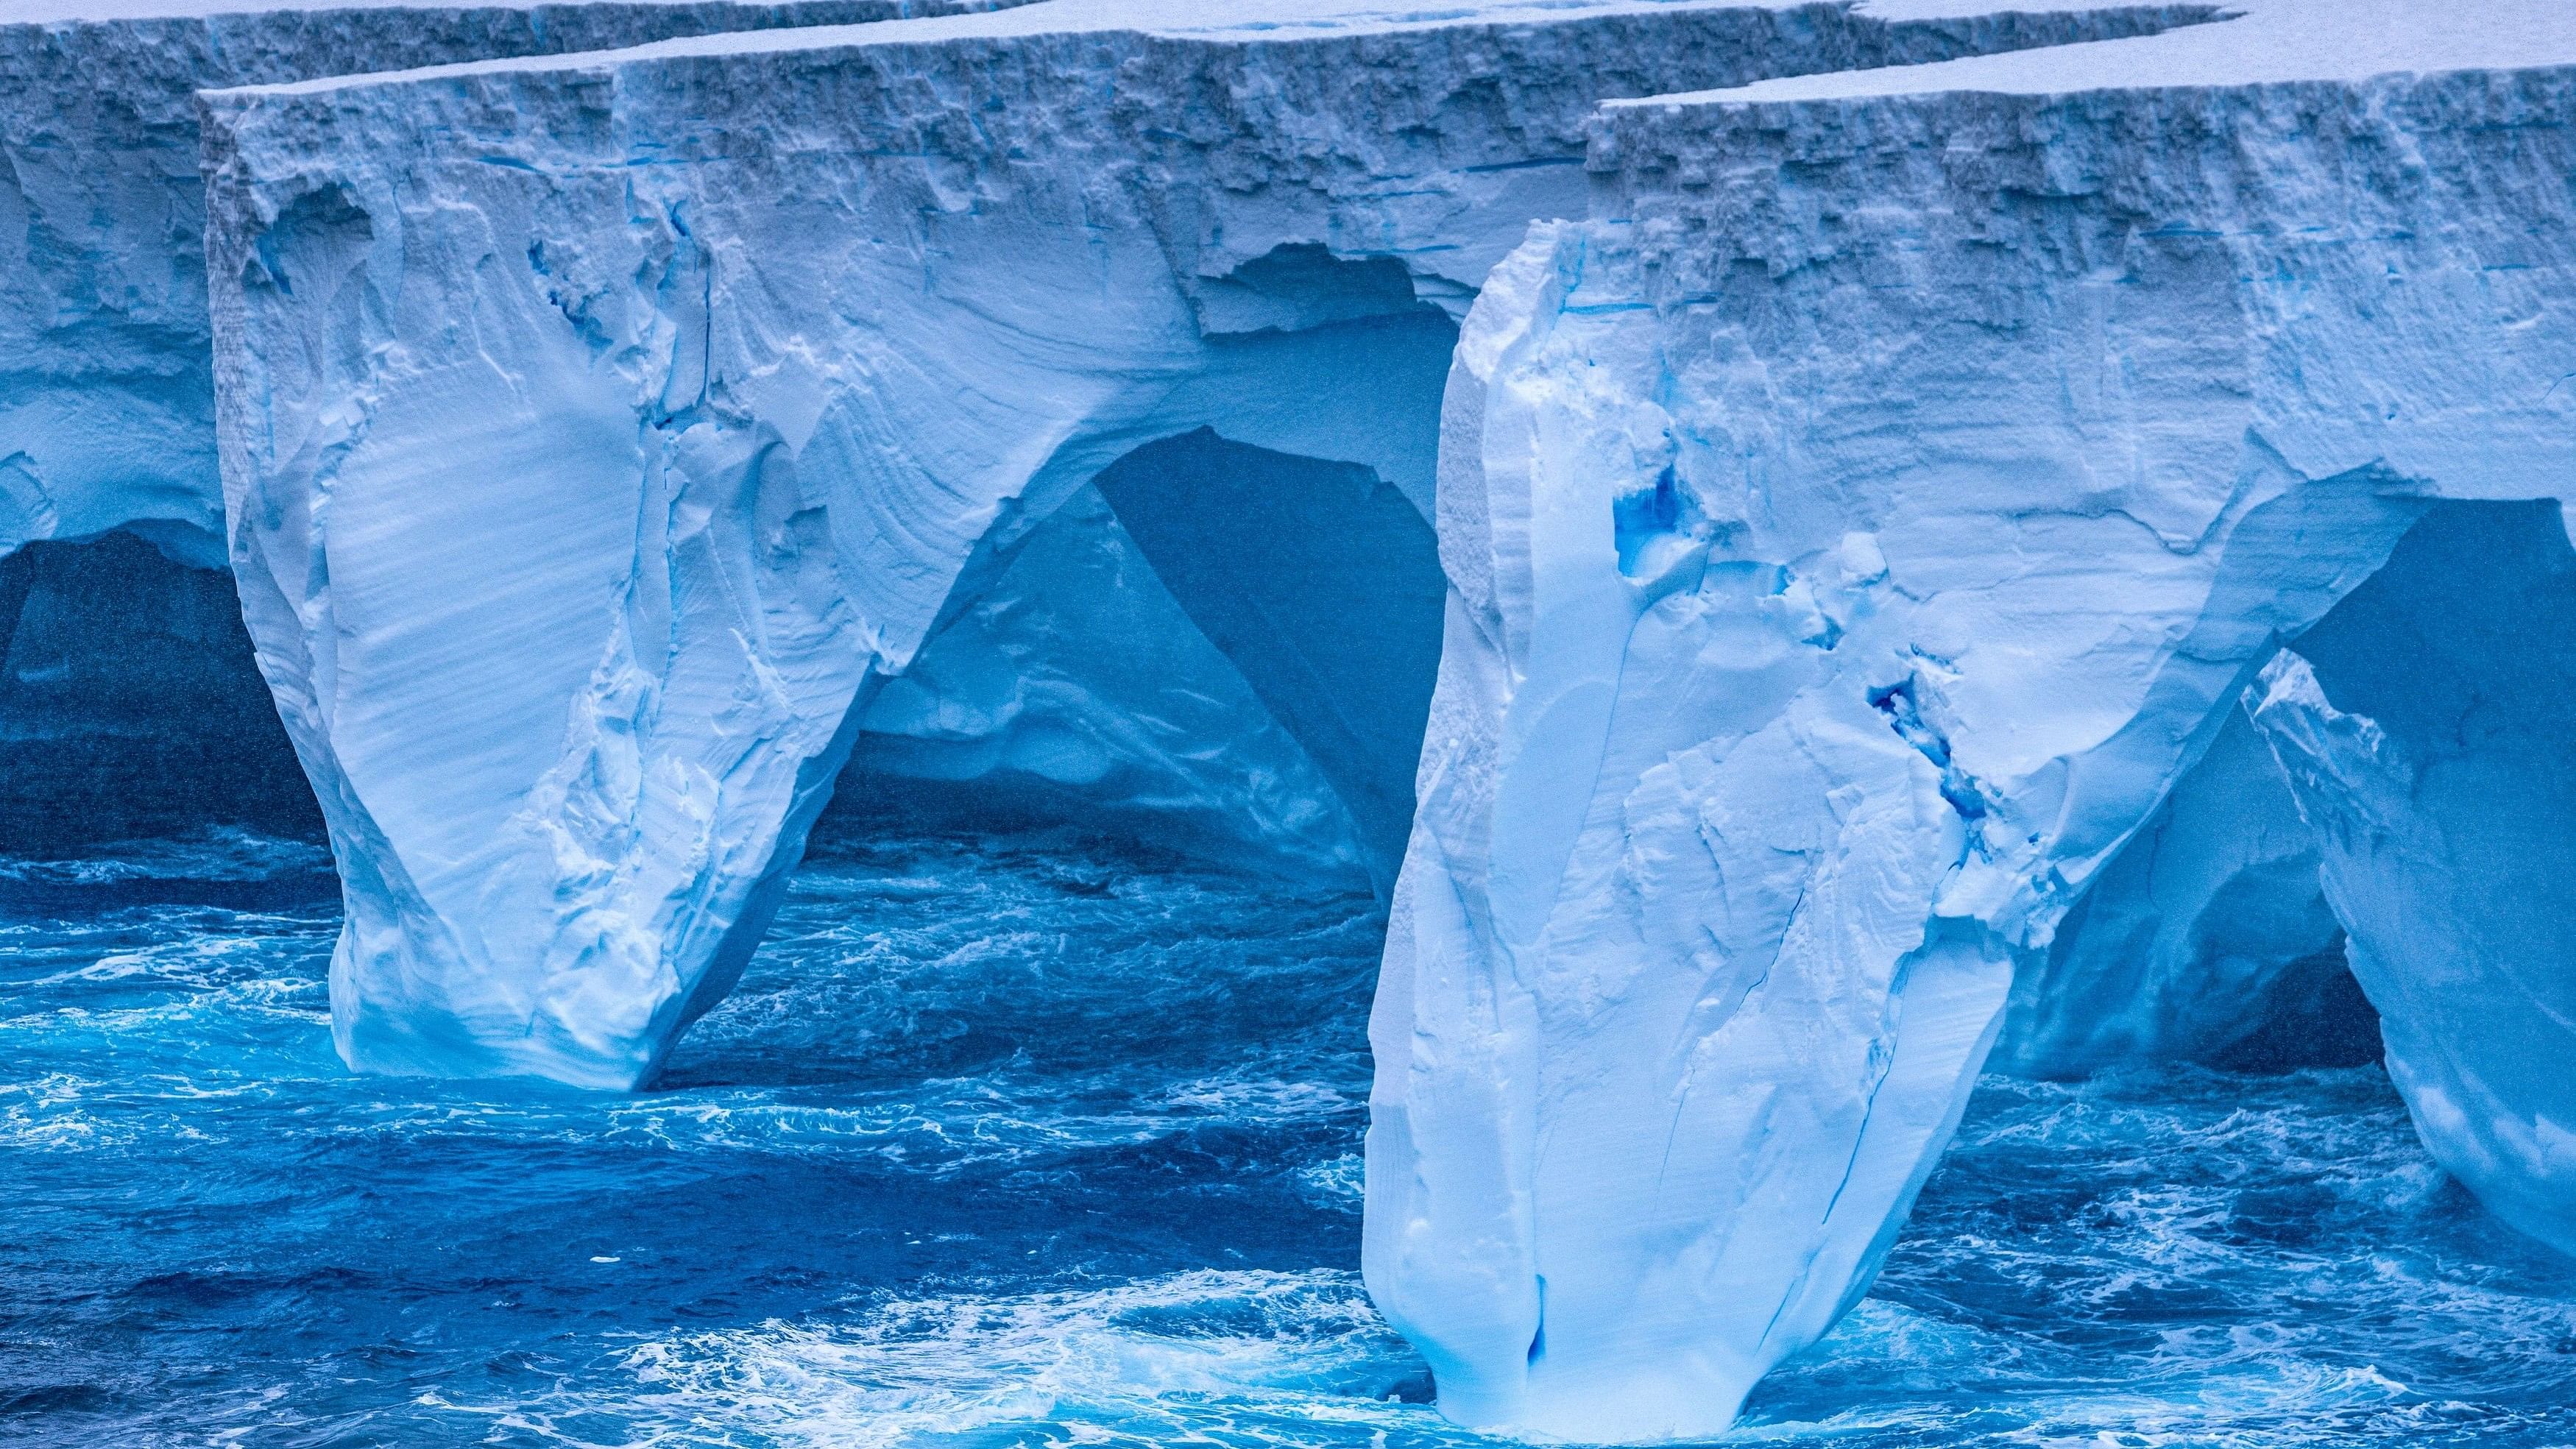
[{"x": 1022, "y": 1141}]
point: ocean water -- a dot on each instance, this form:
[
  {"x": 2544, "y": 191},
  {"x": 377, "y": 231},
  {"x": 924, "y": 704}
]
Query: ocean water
[{"x": 1015, "y": 1142}]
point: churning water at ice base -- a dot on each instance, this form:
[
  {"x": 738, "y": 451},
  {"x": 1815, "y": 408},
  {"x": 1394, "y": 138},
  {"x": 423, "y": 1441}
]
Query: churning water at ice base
[{"x": 1012, "y": 1142}]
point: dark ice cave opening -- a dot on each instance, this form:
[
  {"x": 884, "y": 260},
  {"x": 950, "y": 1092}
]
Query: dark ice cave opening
[
  {"x": 1210, "y": 650},
  {"x": 2461, "y": 648},
  {"x": 130, "y": 703},
  {"x": 2458, "y": 647}
]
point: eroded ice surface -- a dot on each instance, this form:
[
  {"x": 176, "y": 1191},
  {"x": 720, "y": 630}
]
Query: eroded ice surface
[
  {"x": 591, "y": 469},
  {"x": 1856, "y": 527},
  {"x": 1853, "y": 531},
  {"x": 107, "y": 390},
  {"x": 2415, "y": 726}
]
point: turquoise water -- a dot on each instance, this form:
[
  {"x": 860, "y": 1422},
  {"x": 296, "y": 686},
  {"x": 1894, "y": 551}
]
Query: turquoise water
[{"x": 1013, "y": 1142}]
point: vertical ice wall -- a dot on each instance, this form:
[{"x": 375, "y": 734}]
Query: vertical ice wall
[
  {"x": 107, "y": 390},
  {"x": 1854, "y": 530},
  {"x": 107, "y": 378},
  {"x": 599, "y": 435}
]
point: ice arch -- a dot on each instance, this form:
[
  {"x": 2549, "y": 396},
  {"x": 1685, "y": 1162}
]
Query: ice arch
[
  {"x": 1213, "y": 647},
  {"x": 1783, "y": 709},
  {"x": 599, "y": 435},
  {"x": 2206, "y": 939},
  {"x": 743, "y": 631},
  {"x": 2418, "y": 726}
]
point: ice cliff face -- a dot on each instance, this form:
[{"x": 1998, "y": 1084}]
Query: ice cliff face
[
  {"x": 1856, "y": 536},
  {"x": 107, "y": 408},
  {"x": 1855, "y": 529},
  {"x": 107, "y": 379},
  {"x": 600, "y": 436}
]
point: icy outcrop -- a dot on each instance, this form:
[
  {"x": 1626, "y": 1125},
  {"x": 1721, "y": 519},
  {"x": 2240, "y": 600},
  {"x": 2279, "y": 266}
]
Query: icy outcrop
[
  {"x": 2419, "y": 725},
  {"x": 600, "y": 435},
  {"x": 1855, "y": 529},
  {"x": 107, "y": 388}
]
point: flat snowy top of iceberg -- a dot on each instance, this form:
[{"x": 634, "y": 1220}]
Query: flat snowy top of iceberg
[
  {"x": 1241, "y": 20},
  {"x": 2261, "y": 41},
  {"x": 59, "y": 12}
]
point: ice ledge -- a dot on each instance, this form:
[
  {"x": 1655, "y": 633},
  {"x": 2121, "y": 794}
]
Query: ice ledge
[
  {"x": 1271, "y": 22},
  {"x": 2255, "y": 42},
  {"x": 1855, "y": 529}
]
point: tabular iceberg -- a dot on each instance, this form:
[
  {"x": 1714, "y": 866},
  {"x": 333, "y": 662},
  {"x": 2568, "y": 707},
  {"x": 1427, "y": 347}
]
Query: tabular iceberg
[
  {"x": 1860, "y": 506},
  {"x": 108, "y": 419},
  {"x": 600, "y": 435},
  {"x": 107, "y": 388},
  {"x": 1856, "y": 527}
]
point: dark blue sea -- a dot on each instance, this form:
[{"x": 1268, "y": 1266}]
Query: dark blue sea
[{"x": 1013, "y": 1142}]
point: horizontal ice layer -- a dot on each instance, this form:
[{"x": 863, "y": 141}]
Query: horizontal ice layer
[
  {"x": 1854, "y": 530},
  {"x": 106, "y": 380},
  {"x": 599, "y": 433}
]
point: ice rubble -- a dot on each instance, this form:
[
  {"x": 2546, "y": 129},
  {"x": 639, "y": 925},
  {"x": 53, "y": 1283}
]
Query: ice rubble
[
  {"x": 1853, "y": 530},
  {"x": 600, "y": 435},
  {"x": 1857, "y": 526}
]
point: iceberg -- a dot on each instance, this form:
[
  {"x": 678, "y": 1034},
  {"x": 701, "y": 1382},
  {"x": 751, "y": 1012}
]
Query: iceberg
[
  {"x": 603, "y": 436},
  {"x": 1855, "y": 501},
  {"x": 1857, "y": 526},
  {"x": 108, "y": 419},
  {"x": 132, "y": 688}
]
